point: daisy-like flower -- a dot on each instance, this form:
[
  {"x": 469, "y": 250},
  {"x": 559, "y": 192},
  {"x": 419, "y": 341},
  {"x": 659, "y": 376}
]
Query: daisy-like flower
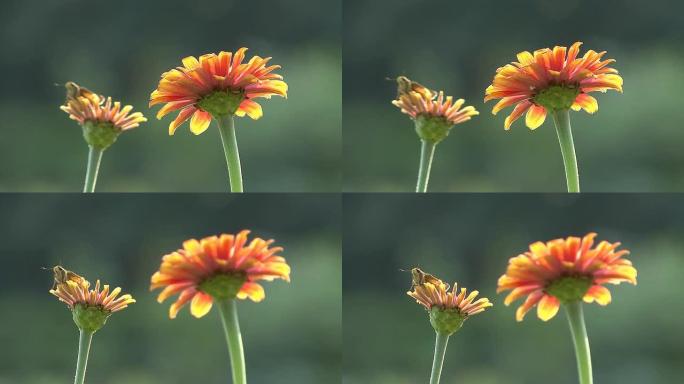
[
  {"x": 218, "y": 268},
  {"x": 565, "y": 271},
  {"x": 102, "y": 119},
  {"x": 216, "y": 85},
  {"x": 448, "y": 308},
  {"x": 433, "y": 113},
  {"x": 434, "y": 116},
  {"x": 91, "y": 307},
  {"x": 549, "y": 80}
]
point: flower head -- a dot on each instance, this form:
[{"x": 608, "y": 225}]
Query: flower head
[
  {"x": 434, "y": 114},
  {"x": 565, "y": 270},
  {"x": 551, "y": 79},
  {"x": 448, "y": 308},
  {"x": 218, "y": 267},
  {"x": 216, "y": 85},
  {"x": 101, "y": 118},
  {"x": 90, "y": 307}
]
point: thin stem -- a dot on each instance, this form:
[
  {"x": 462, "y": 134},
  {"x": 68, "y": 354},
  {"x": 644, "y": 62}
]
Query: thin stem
[
  {"x": 441, "y": 341},
  {"x": 231, "y": 327},
  {"x": 562, "y": 120},
  {"x": 230, "y": 148},
  {"x": 581, "y": 341},
  {"x": 427, "y": 152},
  {"x": 83, "y": 350},
  {"x": 94, "y": 157}
]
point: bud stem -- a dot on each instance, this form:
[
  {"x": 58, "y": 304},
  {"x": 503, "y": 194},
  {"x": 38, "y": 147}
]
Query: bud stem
[
  {"x": 562, "y": 120},
  {"x": 580, "y": 339},
  {"x": 231, "y": 327},
  {"x": 94, "y": 158},
  {"x": 83, "y": 349},
  {"x": 441, "y": 341},
  {"x": 427, "y": 152},
  {"x": 230, "y": 148}
]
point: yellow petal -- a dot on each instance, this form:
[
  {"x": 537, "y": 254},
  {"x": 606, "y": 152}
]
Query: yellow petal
[
  {"x": 201, "y": 304},
  {"x": 598, "y": 293},
  {"x": 190, "y": 62},
  {"x": 199, "y": 122},
  {"x": 586, "y": 102},
  {"x": 254, "y": 291},
  {"x": 535, "y": 116},
  {"x": 548, "y": 307}
]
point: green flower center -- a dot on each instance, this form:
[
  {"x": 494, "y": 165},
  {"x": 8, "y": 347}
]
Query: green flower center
[
  {"x": 569, "y": 289},
  {"x": 557, "y": 97},
  {"x": 90, "y": 318},
  {"x": 222, "y": 103},
  {"x": 100, "y": 134},
  {"x": 432, "y": 128},
  {"x": 223, "y": 285},
  {"x": 446, "y": 320}
]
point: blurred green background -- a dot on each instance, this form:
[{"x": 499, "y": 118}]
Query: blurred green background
[
  {"x": 293, "y": 336},
  {"x": 121, "y": 49},
  {"x": 633, "y": 143},
  {"x": 469, "y": 239}
]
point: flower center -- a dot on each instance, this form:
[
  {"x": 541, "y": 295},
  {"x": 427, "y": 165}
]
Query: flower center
[
  {"x": 100, "y": 134},
  {"x": 446, "y": 320},
  {"x": 432, "y": 128},
  {"x": 557, "y": 97},
  {"x": 223, "y": 285},
  {"x": 569, "y": 288},
  {"x": 222, "y": 103},
  {"x": 90, "y": 318}
]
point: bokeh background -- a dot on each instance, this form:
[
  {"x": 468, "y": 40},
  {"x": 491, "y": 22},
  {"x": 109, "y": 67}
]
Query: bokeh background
[
  {"x": 469, "y": 239},
  {"x": 293, "y": 336},
  {"x": 122, "y": 49},
  {"x": 633, "y": 143}
]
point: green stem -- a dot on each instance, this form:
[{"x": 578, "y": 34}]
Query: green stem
[
  {"x": 230, "y": 148},
  {"x": 94, "y": 157},
  {"x": 83, "y": 350},
  {"x": 441, "y": 341},
  {"x": 427, "y": 152},
  {"x": 581, "y": 341},
  {"x": 231, "y": 327},
  {"x": 562, "y": 120}
]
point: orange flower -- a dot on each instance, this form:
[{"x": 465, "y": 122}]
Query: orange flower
[
  {"x": 429, "y": 104},
  {"x": 551, "y": 79},
  {"x": 438, "y": 295},
  {"x": 73, "y": 293},
  {"x": 218, "y": 267},
  {"x": 96, "y": 109},
  {"x": 565, "y": 270},
  {"x": 216, "y": 85}
]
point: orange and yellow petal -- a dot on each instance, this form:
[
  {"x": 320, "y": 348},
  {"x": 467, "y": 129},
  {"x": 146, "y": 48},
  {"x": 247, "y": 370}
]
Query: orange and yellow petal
[
  {"x": 586, "y": 102},
  {"x": 599, "y": 294},
  {"x": 253, "y": 291},
  {"x": 548, "y": 307},
  {"x": 535, "y": 116},
  {"x": 518, "y": 111},
  {"x": 201, "y": 304},
  {"x": 199, "y": 122}
]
